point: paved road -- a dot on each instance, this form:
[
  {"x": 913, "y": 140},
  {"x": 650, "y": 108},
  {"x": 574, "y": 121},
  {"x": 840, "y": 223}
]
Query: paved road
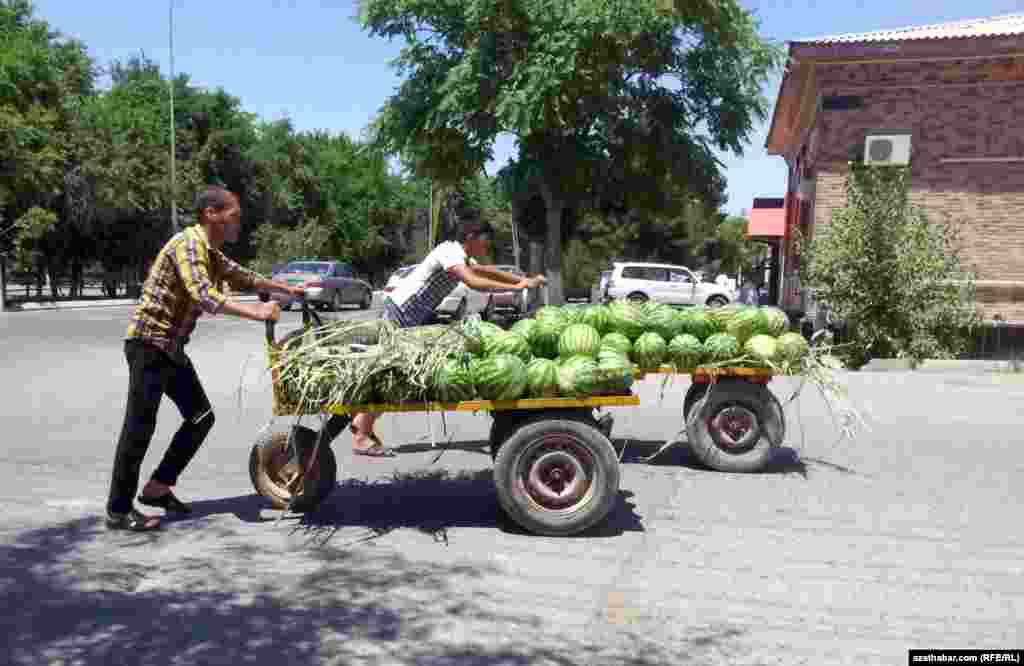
[{"x": 845, "y": 553}]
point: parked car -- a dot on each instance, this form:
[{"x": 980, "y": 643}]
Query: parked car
[
  {"x": 329, "y": 284},
  {"x": 663, "y": 283}
]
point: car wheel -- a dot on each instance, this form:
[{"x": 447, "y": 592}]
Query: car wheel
[
  {"x": 336, "y": 302},
  {"x": 717, "y": 301},
  {"x": 638, "y": 297},
  {"x": 367, "y": 300}
]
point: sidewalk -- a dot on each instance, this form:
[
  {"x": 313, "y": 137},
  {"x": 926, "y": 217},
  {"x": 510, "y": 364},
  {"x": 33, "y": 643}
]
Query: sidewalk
[
  {"x": 378, "y": 302},
  {"x": 99, "y": 303}
]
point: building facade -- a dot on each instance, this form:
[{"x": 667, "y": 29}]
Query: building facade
[{"x": 950, "y": 98}]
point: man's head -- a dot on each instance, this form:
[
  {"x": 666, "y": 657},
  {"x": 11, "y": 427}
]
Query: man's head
[
  {"x": 219, "y": 211},
  {"x": 476, "y": 238}
]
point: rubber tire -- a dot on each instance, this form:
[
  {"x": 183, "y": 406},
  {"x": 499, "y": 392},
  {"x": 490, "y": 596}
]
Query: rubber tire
[
  {"x": 336, "y": 303},
  {"x": 697, "y": 391},
  {"x": 263, "y": 485},
  {"x": 717, "y": 302},
  {"x": 367, "y": 301},
  {"x": 594, "y": 506},
  {"x": 755, "y": 397},
  {"x": 638, "y": 297},
  {"x": 506, "y": 422}
]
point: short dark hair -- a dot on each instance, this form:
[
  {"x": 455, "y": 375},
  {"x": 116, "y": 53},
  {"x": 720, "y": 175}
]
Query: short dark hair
[
  {"x": 474, "y": 229},
  {"x": 213, "y": 196}
]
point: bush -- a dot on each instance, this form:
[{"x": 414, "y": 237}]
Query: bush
[{"x": 895, "y": 277}]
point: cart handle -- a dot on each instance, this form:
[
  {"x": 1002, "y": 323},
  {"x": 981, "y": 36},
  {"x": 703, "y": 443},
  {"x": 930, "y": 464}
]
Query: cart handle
[{"x": 308, "y": 316}]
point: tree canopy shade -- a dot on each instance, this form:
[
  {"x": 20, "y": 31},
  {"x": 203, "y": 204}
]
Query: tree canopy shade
[{"x": 613, "y": 101}]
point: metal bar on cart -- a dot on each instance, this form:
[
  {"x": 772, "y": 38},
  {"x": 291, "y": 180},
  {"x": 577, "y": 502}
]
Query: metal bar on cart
[{"x": 479, "y": 405}]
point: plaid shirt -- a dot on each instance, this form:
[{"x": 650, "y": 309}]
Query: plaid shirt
[{"x": 185, "y": 281}]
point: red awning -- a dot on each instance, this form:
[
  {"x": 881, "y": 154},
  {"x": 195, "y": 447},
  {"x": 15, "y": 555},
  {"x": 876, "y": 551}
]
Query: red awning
[{"x": 767, "y": 223}]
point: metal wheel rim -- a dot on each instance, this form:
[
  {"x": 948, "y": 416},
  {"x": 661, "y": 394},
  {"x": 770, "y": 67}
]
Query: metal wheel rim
[
  {"x": 281, "y": 473},
  {"x": 735, "y": 428},
  {"x": 557, "y": 473}
]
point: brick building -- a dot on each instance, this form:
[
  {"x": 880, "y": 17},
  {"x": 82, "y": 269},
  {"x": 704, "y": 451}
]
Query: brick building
[{"x": 949, "y": 97}]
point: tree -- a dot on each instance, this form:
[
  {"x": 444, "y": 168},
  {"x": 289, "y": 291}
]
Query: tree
[
  {"x": 895, "y": 277},
  {"x": 599, "y": 94}
]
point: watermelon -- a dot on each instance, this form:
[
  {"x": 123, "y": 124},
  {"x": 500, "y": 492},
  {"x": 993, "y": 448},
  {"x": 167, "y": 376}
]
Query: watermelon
[
  {"x": 573, "y": 314},
  {"x": 663, "y": 320},
  {"x": 745, "y": 323},
  {"x": 578, "y": 377},
  {"x": 596, "y": 316},
  {"x": 685, "y": 351},
  {"x": 524, "y": 327},
  {"x": 721, "y": 347},
  {"x": 579, "y": 340},
  {"x": 542, "y": 378},
  {"x": 697, "y": 323},
  {"x": 453, "y": 381},
  {"x": 476, "y": 332},
  {"x": 792, "y": 347},
  {"x": 776, "y": 322},
  {"x": 720, "y": 317},
  {"x": 507, "y": 342},
  {"x": 617, "y": 342},
  {"x": 615, "y": 372},
  {"x": 499, "y": 377},
  {"x": 763, "y": 349},
  {"x": 546, "y": 333},
  {"x": 626, "y": 318},
  {"x": 549, "y": 312},
  {"x": 649, "y": 350}
]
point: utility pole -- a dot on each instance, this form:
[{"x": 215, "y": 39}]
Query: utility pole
[{"x": 174, "y": 192}]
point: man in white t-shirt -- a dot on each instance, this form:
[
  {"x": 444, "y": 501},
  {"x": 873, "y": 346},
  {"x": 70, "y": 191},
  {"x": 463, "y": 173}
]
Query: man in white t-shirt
[{"x": 414, "y": 300}]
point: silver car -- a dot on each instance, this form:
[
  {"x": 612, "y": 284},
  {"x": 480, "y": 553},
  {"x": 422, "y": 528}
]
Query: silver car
[{"x": 329, "y": 285}]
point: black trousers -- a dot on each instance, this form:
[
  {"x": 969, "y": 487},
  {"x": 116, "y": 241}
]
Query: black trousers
[{"x": 152, "y": 373}]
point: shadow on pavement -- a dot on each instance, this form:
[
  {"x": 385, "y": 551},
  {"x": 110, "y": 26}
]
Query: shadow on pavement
[
  {"x": 785, "y": 460},
  {"x": 76, "y": 593},
  {"x": 432, "y": 501}
]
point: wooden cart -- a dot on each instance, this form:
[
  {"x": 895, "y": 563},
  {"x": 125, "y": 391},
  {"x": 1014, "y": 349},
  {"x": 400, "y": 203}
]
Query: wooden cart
[{"x": 555, "y": 469}]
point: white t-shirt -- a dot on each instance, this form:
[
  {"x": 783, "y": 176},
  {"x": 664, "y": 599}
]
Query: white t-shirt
[{"x": 413, "y": 301}]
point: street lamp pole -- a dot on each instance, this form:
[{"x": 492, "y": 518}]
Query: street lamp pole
[{"x": 174, "y": 201}]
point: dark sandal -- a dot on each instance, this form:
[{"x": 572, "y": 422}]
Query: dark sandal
[
  {"x": 167, "y": 502},
  {"x": 378, "y": 450},
  {"x": 133, "y": 521}
]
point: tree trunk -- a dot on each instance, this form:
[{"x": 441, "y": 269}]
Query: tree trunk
[
  {"x": 3, "y": 282},
  {"x": 553, "y": 251}
]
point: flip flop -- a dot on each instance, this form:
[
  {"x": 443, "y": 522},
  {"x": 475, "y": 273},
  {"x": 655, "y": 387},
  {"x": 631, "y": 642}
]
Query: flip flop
[
  {"x": 133, "y": 521},
  {"x": 378, "y": 450},
  {"x": 167, "y": 502}
]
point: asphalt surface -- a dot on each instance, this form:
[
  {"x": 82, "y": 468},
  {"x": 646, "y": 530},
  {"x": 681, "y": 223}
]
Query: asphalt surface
[{"x": 842, "y": 553}]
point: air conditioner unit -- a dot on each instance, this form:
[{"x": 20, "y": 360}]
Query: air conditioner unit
[{"x": 887, "y": 149}]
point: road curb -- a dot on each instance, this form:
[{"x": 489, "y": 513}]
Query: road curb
[{"x": 943, "y": 366}]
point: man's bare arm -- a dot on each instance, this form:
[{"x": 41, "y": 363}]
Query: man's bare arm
[
  {"x": 475, "y": 280},
  {"x": 263, "y": 284},
  {"x": 255, "y": 311}
]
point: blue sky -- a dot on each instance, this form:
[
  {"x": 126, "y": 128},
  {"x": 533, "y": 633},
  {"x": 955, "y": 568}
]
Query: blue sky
[{"x": 310, "y": 61}]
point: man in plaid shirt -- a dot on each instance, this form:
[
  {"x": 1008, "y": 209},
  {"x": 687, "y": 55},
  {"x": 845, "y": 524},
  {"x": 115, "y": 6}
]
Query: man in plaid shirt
[{"x": 185, "y": 281}]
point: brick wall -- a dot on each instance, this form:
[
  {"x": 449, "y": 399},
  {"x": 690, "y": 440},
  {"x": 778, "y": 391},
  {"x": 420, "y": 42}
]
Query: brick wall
[{"x": 948, "y": 118}]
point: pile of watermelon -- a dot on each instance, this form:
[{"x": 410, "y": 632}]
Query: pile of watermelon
[{"x": 579, "y": 351}]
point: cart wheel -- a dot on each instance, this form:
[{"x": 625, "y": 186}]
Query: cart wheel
[
  {"x": 506, "y": 422},
  {"x": 271, "y": 470},
  {"x": 556, "y": 476},
  {"x": 737, "y": 426},
  {"x": 694, "y": 395}
]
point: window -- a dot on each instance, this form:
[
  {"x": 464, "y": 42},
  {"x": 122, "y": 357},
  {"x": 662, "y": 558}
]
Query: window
[
  {"x": 645, "y": 273},
  {"x": 308, "y": 267},
  {"x": 676, "y": 276}
]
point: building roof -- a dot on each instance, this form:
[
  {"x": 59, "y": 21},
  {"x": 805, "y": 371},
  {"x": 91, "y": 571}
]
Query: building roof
[{"x": 1007, "y": 24}]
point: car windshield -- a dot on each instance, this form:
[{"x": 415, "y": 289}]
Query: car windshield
[{"x": 307, "y": 267}]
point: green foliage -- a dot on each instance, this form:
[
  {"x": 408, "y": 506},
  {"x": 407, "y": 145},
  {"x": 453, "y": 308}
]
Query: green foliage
[
  {"x": 32, "y": 229},
  {"x": 609, "y": 101},
  {"x": 896, "y": 277}
]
